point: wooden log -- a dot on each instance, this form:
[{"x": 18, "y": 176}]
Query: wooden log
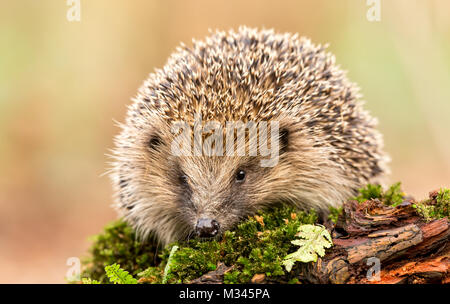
[
  {"x": 407, "y": 248},
  {"x": 215, "y": 276}
]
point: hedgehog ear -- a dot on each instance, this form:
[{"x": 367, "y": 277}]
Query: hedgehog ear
[
  {"x": 284, "y": 140},
  {"x": 154, "y": 142}
]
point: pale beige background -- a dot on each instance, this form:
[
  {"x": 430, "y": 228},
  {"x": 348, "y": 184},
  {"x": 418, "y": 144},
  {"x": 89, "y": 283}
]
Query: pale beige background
[{"x": 62, "y": 84}]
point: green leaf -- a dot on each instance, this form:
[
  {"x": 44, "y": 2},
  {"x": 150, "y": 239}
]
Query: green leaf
[
  {"x": 117, "y": 275},
  {"x": 169, "y": 263},
  {"x": 313, "y": 240}
]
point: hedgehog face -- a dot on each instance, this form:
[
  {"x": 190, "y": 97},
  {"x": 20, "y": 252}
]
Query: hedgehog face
[
  {"x": 214, "y": 193},
  {"x": 178, "y": 196},
  {"x": 175, "y": 197}
]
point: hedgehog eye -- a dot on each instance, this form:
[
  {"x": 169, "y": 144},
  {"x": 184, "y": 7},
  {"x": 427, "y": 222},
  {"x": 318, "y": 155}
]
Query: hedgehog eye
[
  {"x": 240, "y": 176},
  {"x": 184, "y": 179},
  {"x": 154, "y": 142}
]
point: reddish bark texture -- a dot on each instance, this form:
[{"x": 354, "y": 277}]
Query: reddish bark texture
[{"x": 409, "y": 249}]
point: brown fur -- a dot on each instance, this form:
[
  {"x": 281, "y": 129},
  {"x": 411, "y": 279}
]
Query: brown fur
[{"x": 249, "y": 75}]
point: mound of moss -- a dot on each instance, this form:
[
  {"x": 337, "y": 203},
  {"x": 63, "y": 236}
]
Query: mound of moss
[
  {"x": 436, "y": 207},
  {"x": 393, "y": 196},
  {"x": 256, "y": 247},
  {"x": 118, "y": 245}
]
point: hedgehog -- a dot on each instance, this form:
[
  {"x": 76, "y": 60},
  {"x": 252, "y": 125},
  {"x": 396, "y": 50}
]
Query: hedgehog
[{"x": 328, "y": 145}]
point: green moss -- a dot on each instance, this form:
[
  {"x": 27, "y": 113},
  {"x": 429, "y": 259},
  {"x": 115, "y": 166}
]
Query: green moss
[
  {"x": 436, "y": 207},
  {"x": 334, "y": 214},
  {"x": 369, "y": 192},
  {"x": 442, "y": 207},
  {"x": 256, "y": 246},
  {"x": 393, "y": 196},
  {"x": 118, "y": 244}
]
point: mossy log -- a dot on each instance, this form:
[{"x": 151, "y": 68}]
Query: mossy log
[
  {"x": 378, "y": 237},
  {"x": 407, "y": 247}
]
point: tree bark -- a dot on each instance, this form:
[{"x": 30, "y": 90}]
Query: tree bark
[{"x": 406, "y": 248}]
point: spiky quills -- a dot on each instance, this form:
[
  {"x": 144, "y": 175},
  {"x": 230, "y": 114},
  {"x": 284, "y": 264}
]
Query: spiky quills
[{"x": 250, "y": 75}]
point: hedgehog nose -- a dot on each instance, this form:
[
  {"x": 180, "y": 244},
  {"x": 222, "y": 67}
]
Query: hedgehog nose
[{"x": 207, "y": 227}]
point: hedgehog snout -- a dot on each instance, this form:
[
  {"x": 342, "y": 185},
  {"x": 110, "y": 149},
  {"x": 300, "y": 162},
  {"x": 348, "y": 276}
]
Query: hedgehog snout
[{"x": 207, "y": 227}]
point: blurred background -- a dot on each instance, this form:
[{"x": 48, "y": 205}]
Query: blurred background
[{"x": 63, "y": 83}]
